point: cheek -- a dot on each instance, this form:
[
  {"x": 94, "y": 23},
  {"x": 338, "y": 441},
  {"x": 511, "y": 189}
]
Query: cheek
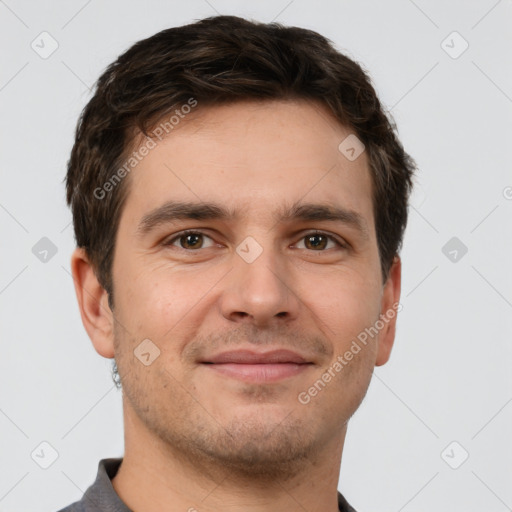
[
  {"x": 146, "y": 288},
  {"x": 165, "y": 306},
  {"x": 346, "y": 305}
]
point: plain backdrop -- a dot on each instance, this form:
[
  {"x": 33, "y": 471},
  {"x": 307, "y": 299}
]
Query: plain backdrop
[{"x": 434, "y": 431}]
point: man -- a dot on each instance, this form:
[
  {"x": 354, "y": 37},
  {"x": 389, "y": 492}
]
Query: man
[{"x": 239, "y": 201}]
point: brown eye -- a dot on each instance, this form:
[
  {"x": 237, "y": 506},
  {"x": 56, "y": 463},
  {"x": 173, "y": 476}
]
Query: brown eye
[
  {"x": 318, "y": 241},
  {"x": 189, "y": 240}
]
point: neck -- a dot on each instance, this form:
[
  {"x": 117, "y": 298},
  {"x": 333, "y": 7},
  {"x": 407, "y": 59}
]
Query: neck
[{"x": 154, "y": 475}]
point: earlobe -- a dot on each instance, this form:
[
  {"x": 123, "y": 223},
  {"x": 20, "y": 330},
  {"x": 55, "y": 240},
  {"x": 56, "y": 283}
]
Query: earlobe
[
  {"x": 389, "y": 311},
  {"x": 92, "y": 299}
]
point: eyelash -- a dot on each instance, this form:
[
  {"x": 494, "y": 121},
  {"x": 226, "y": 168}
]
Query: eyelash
[{"x": 196, "y": 232}]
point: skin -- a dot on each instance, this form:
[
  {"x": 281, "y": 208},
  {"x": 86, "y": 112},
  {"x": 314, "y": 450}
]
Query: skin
[{"x": 198, "y": 439}]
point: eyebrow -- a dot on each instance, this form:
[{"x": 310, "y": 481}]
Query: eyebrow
[{"x": 179, "y": 210}]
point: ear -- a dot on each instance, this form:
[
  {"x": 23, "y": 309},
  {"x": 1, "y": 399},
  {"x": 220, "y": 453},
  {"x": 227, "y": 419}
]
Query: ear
[
  {"x": 389, "y": 311},
  {"x": 92, "y": 299}
]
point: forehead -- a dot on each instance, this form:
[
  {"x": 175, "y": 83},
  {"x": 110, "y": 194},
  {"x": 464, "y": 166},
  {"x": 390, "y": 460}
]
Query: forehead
[{"x": 253, "y": 157}]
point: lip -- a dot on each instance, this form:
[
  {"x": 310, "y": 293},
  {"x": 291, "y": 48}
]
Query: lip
[
  {"x": 257, "y": 367},
  {"x": 251, "y": 357},
  {"x": 259, "y": 373}
]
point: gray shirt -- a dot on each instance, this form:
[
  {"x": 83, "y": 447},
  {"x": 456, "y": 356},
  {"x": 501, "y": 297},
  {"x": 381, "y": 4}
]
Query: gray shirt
[{"x": 101, "y": 496}]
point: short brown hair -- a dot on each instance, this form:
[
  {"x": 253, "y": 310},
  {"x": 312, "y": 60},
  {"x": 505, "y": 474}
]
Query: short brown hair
[{"x": 217, "y": 60}]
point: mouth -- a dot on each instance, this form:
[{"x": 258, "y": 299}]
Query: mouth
[{"x": 251, "y": 366}]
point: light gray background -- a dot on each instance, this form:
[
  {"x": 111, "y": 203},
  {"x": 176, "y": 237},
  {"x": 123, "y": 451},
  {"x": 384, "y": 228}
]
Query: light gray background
[{"x": 449, "y": 377}]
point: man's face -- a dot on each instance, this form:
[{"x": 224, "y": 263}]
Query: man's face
[{"x": 253, "y": 282}]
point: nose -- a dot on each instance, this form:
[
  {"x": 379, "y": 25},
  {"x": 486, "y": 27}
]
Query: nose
[{"x": 260, "y": 292}]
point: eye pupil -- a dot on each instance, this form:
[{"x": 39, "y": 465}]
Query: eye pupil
[
  {"x": 191, "y": 236},
  {"x": 317, "y": 244}
]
